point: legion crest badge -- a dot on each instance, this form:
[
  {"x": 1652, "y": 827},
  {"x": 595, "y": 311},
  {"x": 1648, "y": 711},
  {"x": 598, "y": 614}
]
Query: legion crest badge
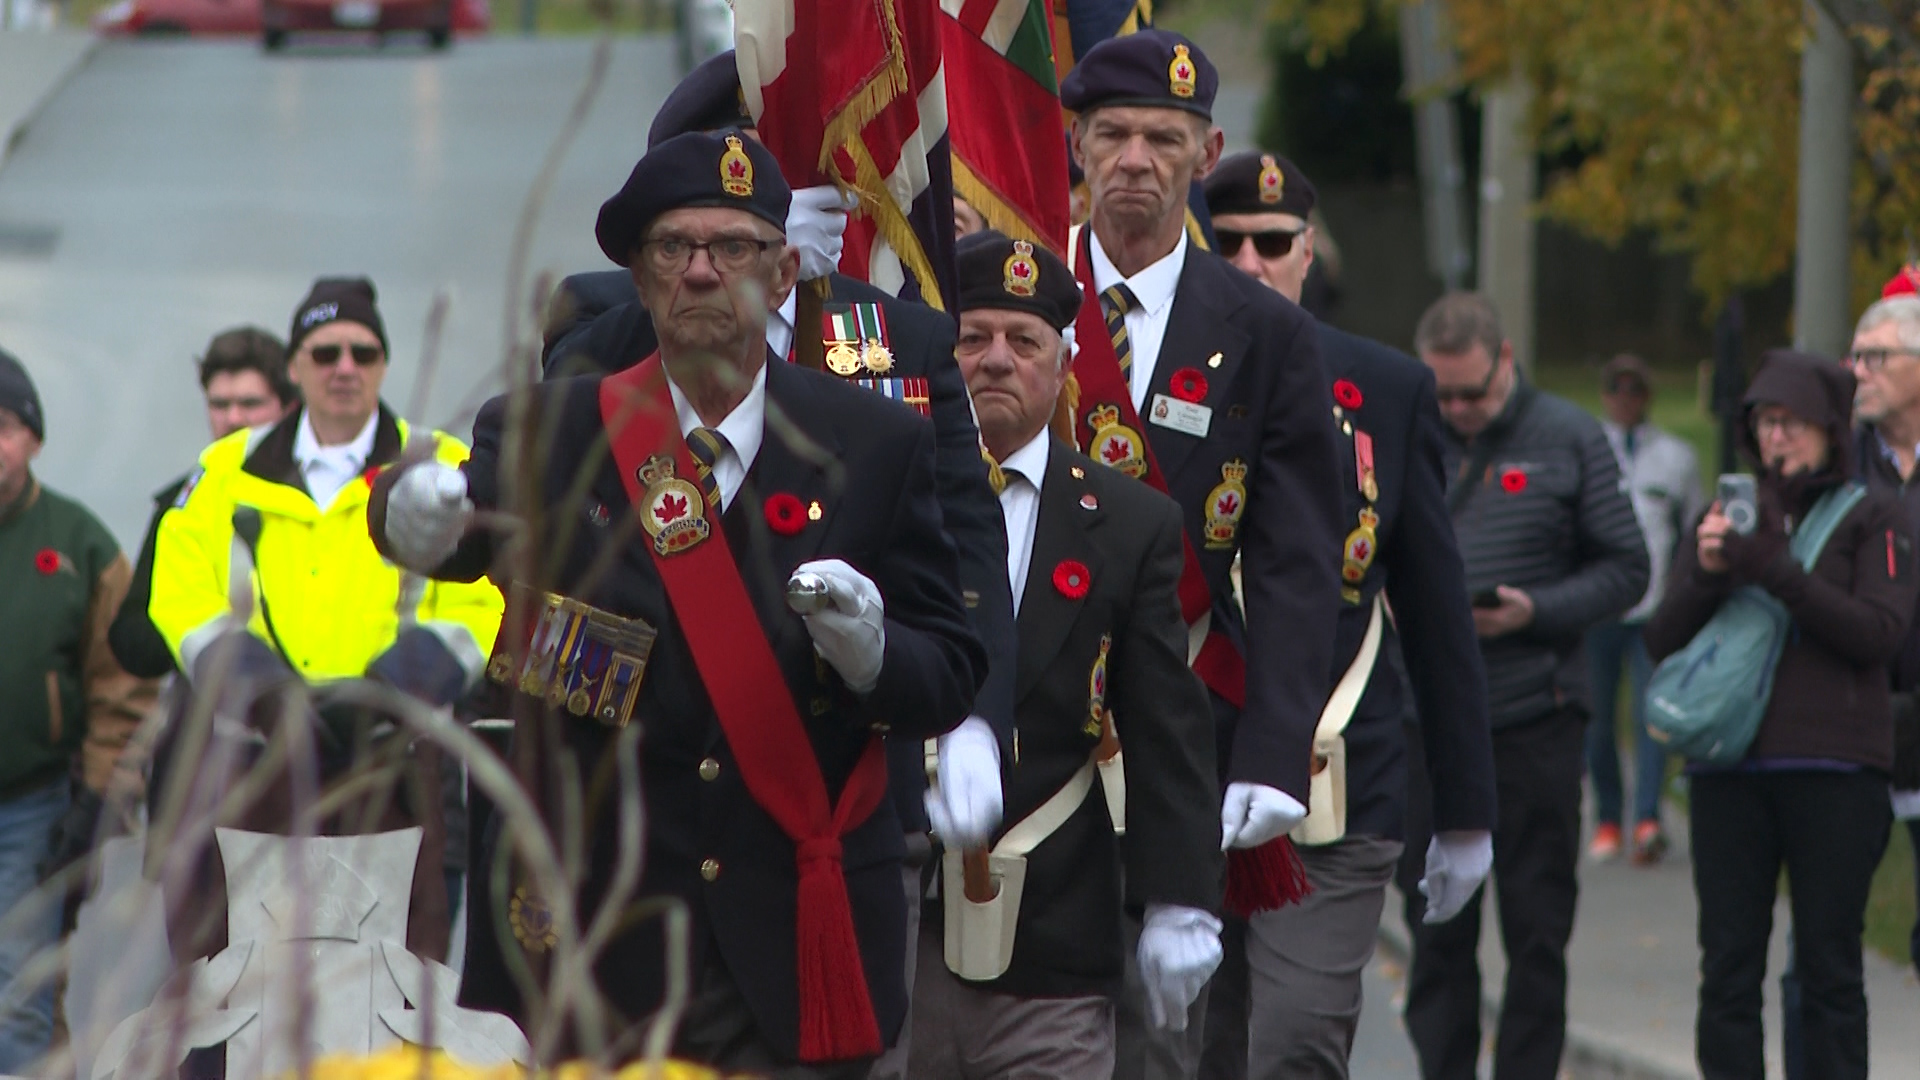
[
  {"x": 1273, "y": 183},
  {"x": 736, "y": 170},
  {"x": 1180, "y": 73},
  {"x": 1116, "y": 444},
  {"x": 1225, "y": 505},
  {"x": 531, "y": 920},
  {"x": 1021, "y": 273},
  {"x": 1362, "y": 544},
  {"x": 1097, "y": 689},
  {"x": 674, "y": 512}
]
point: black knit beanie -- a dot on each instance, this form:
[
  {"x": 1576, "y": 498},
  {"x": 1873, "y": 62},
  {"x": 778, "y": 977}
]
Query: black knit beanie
[
  {"x": 18, "y": 396},
  {"x": 332, "y": 300}
]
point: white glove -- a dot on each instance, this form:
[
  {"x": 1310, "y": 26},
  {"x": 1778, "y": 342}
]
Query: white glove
[
  {"x": 816, "y": 228},
  {"x": 1253, "y": 814},
  {"x": 1072, "y": 341},
  {"x": 1179, "y": 948},
  {"x": 1457, "y": 862},
  {"x": 427, "y": 514},
  {"x": 850, "y": 632},
  {"x": 964, "y": 804}
]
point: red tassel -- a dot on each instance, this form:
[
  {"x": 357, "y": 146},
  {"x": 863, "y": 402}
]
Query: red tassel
[
  {"x": 836, "y": 1011},
  {"x": 1265, "y": 878}
]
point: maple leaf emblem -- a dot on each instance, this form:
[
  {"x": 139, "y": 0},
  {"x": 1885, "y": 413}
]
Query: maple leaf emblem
[
  {"x": 1115, "y": 450},
  {"x": 671, "y": 508},
  {"x": 1362, "y": 550},
  {"x": 736, "y": 168},
  {"x": 1022, "y": 270},
  {"x": 1228, "y": 504}
]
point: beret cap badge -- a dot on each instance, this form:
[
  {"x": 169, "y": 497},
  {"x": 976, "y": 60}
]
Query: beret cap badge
[
  {"x": 1273, "y": 183},
  {"x": 736, "y": 170},
  {"x": 1180, "y": 73},
  {"x": 1022, "y": 273}
]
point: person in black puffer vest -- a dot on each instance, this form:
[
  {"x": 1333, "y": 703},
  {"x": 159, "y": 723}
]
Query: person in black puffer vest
[{"x": 1812, "y": 793}]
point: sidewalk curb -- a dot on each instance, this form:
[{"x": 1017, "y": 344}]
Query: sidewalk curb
[
  {"x": 16, "y": 117},
  {"x": 1590, "y": 1054}
]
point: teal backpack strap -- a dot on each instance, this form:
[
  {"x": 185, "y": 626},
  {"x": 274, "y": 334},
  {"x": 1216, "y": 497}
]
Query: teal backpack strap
[{"x": 1812, "y": 535}]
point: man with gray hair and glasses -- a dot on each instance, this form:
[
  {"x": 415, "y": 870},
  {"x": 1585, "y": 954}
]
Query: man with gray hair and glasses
[
  {"x": 1886, "y": 410},
  {"x": 1551, "y": 547}
]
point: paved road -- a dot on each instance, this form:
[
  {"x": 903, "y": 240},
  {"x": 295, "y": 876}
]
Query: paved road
[{"x": 172, "y": 189}]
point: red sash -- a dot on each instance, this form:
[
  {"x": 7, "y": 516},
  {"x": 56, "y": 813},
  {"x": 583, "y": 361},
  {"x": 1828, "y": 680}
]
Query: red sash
[
  {"x": 1102, "y": 386},
  {"x": 761, "y": 724}
]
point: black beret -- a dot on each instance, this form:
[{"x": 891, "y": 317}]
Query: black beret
[
  {"x": 708, "y": 99},
  {"x": 18, "y": 396},
  {"x": 1151, "y": 67},
  {"x": 725, "y": 169},
  {"x": 999, "y": 272},
  {"x": 337, "y": 300},
  {"x": 1254, "y": 183}
]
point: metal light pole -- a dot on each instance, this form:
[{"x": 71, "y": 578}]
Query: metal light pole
[
  {"x": 1426, "y": 56},
  {"x": 1822, "y": 322}
]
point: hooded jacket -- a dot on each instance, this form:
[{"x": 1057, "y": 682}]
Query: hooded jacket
[{"x": 1850, "y": 613}]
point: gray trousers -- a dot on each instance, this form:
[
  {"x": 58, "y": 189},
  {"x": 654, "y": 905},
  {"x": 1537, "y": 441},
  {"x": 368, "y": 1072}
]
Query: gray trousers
[
  {"x": 962, "y": 1032},
  {"x": 892, "y": 1065},
  {"x": 1146, "y": 1052},
  {"x": 1286, "y": 1000}
]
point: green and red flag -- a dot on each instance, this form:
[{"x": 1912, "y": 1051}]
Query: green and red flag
[{"x": 1008, "y": 160}]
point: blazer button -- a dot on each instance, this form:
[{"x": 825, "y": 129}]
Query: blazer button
[
  {"x": 710, "y": 870},
  {"x": 709, "y": 769}
]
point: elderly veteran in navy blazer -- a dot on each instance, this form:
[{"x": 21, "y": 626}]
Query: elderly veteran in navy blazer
[
  {"x": 1286, "y": 1002},
  {"x": 596, "y": 323},
  {"x": 672, "y": 559},
  {"x": 1221, "y": 396},
  {"x": 1022, "y": 985}
]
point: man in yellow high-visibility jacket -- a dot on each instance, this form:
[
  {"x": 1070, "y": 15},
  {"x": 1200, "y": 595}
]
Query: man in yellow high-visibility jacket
[{"x": 285, "y": 506}]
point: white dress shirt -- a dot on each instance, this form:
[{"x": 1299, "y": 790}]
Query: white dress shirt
[
  {"x": 742, "y": 429},
  {"x": 1020, "y": 502},
  {"x": 1153, "y": 287},
  {"x": 328, "y": 469},
  {"x": 780, "y": 325}
]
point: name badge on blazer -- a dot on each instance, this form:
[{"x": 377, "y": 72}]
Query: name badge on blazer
[{"x": 1185, "y": 417}]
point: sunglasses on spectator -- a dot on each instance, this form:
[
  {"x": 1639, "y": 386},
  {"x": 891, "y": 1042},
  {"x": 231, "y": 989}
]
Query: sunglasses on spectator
[
  {"x": 1271, "y": 244},
  {"x": 1874, "y": 359},
  {"x": 329, "y": 355},
  {"x": 1468, "y": 395}
]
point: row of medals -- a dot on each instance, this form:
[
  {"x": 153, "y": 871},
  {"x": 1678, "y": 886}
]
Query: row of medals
[{"x": 851, "y": 358}]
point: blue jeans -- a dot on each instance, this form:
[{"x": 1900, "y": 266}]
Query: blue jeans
[
  {"x": 1609, "y": 645},
  {"x": 29, "y": 925}
]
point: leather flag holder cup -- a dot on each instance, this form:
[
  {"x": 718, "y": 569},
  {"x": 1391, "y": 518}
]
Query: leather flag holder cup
[
  {"x": 979, "y": 945},
  {"x": 1326, "y": 819}
]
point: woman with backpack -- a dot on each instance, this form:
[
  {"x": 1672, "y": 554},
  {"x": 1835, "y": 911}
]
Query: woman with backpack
[{"x": 1810, "y": 793}]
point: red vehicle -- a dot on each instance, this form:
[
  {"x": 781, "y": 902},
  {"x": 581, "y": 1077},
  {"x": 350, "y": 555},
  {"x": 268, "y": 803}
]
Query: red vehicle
[{"x": 171, "y": 17}]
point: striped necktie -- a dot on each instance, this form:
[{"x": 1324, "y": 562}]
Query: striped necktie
[
  {"x": 1116, "y": 302},
  {"x": 706, "y": 444}
]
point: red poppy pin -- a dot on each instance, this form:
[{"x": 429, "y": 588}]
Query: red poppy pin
[
  {"x": 786, "y": 514},
  {"x": 1072, "y": 578},
  {"x": 372, "y": 474},
  {"x": 1189, "y": 385},
  {"x": 1513, "y": 481},
  {"x": 1347, "y": 394},
  {"x": 47, "y": 561}
]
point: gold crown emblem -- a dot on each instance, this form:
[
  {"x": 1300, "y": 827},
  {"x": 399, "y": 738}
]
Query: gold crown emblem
[
  {"x": 657, "y": 470},
  {"x": 1180, "y": 75},
  {"x": 1103, "y": 416},
  {"x": 1235, "y": 470},
  {"x": 1022, "y": 274},
  {"x": 736, "y": 170},
  {"x": 1273, "y": 183}
]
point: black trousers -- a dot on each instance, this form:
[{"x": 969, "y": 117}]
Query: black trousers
[
  {"x": 1536, "y": 847},
  {"x": 1828, "y": 830}
]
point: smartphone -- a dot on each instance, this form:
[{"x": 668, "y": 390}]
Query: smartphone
[
  {"x": 1487, "y": 598},
  {"x": 1739, "y": 502}
]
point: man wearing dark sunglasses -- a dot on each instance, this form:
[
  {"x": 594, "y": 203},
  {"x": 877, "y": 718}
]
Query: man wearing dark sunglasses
[
  {"x": 1551, "y": 547},
  {"x": 1286, "y": 1001}
]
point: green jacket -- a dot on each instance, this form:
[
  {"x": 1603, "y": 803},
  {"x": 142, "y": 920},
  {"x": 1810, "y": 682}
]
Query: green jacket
[{"x": 62, "y": 577}]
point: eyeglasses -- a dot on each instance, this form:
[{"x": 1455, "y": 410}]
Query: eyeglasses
[
  {"x": 1271, "y": 244},
  {"x": 1468, "y": 395},
  {"x": 329, "y": 355},
  {"x": 1785, "y": 424},
  {"x": 1874, "y": 359},
  {"x": 729, "y": 254}
]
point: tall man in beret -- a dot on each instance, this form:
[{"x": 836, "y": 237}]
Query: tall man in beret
[
  {"x": 660, "y": 596},
  {"x": 598, "y": 324},
  {"x": 1286, "y": 1002},
  {"x": 1094, "y": 562},
  {"x": 1209, "y": 384}
]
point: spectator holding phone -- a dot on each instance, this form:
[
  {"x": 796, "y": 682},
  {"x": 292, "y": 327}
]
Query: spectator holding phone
[
  {"x": 1551, "y": 547},
  {"x": 1812, "y": 792}
]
